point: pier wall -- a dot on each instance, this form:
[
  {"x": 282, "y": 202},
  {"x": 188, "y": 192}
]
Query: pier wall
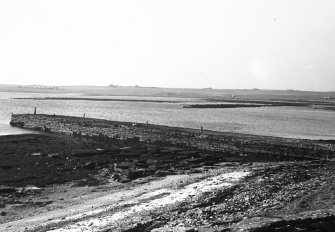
[{"x": 240, "y": 145}]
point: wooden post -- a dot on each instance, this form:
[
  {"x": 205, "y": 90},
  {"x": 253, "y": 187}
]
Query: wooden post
[
  {"x": 35, "y": 110},
  {"x": 202, "y": 129}
]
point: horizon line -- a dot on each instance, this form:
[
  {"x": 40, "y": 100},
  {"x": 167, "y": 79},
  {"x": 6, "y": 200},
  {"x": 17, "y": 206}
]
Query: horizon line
[{"x": 138, "y": 86}]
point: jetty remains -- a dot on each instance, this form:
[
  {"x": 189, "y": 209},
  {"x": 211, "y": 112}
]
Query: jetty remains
[{"x": 235, "y": 146}]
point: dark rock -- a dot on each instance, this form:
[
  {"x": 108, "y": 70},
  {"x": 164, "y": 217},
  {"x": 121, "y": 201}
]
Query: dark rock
[
  {"x": 161, "y": 173},
  {"x": 4, "y": 189},
  {"x": 151, "y": 161},
  {"x": 87, "y": 153},
  {"x": 175, "y": 229},
  {"x": 116, "y": 177},
  {"x": 121, "y": 170},
  {"x": 123, "y": 165},
  {"x": 187, "y": 153},
  {"x": 89, "y": 165},
  {"x": 124, "y": 180},
  {"x": 152, "y": 167},
  {"x": 54, "y": 155},
  {"x": 6, "y": 166},
  {"x": 208, "y": 163},
  {"x": 134, "y": 174},
  {"x": 39, "y": 128},
  {"x": 3, "y": 213},
  {"x": 17, "y": 124}
]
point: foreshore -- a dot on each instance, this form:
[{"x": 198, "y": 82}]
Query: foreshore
[{"x": 100, "y": 175}]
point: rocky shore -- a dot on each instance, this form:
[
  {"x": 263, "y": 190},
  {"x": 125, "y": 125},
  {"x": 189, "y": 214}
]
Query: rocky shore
[{"x": 58, "y": 181}]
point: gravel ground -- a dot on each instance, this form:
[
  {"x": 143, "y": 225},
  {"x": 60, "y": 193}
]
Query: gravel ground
[{"x": 54, "y": 182}]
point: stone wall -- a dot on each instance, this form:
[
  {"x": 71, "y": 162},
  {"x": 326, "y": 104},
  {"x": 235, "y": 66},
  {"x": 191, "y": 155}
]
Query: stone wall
[{"x": 241, "y": 145}]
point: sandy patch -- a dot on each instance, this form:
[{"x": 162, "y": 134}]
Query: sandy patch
[{"x": 170, "y": 197}]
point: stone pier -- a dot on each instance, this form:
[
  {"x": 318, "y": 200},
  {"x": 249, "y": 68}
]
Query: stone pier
[{"x": 239, "y": 145}]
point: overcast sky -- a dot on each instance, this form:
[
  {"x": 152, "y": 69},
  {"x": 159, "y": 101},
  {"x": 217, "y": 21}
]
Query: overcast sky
[{"x": 268, "y": 44}]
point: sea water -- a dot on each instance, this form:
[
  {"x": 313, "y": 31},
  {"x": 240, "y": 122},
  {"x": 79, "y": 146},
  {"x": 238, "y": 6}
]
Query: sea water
[{"x": 293, "y": 122}]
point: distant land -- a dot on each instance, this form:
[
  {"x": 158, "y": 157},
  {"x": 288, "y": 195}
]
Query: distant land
[{"x": 208, "y": 94}]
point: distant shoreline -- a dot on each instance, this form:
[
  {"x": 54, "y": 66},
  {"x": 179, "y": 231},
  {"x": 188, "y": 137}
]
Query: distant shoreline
[
  {"x": 95, "y": 99},
  {"x": 211, "y": 103},
  {"x": 263, "y": 104}
]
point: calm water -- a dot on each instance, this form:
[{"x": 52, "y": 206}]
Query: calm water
[{"x": 275, "y": 121}]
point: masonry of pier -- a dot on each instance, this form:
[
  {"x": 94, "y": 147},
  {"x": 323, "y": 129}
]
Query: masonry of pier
[{"x": 240, "y": 145}]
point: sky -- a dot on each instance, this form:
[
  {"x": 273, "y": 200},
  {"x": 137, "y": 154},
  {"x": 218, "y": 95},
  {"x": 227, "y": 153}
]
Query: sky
[{"x": 226, "y": 44}]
